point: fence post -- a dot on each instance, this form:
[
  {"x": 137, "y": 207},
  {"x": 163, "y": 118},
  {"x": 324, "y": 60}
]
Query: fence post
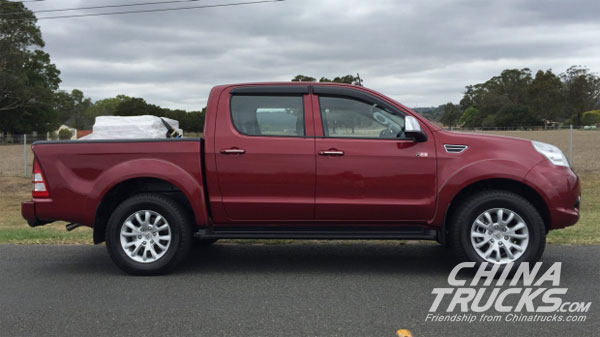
[
  {"x": 25, "y": 155},
  {"x": 571, "y": 145}
]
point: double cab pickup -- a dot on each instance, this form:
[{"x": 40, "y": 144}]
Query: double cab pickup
[{"x": 306, "y": 161}]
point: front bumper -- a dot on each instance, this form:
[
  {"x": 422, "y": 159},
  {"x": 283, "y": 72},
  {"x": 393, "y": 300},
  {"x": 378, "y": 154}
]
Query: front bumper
[
  {"x": 560, "y": 188},
  {"x": 28, "y": 213}
]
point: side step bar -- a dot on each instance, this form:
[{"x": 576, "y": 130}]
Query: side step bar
[{"x": 319, "y": 234}]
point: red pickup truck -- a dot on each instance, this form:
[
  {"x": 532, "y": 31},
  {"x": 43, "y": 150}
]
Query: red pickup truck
[{"x": 306, "y": 161}]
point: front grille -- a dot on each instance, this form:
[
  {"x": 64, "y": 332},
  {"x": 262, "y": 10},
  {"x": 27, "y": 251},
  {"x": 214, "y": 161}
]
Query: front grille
[{"x": 452, "y": 148}]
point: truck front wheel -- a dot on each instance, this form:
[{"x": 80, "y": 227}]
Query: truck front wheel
[
  {"x": 148, "y": 234},
  {"x": 497, "y": 227}
]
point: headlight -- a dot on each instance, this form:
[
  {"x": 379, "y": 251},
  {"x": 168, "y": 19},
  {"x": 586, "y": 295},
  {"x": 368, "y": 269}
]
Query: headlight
[{"x": 553, "y": 153}]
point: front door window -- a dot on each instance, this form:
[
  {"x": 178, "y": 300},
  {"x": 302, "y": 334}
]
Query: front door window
[{"x": 350, "y": 118}]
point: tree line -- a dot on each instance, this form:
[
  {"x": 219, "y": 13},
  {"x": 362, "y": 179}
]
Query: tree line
[
  {"x": 79, "y": 112},
  {"x": 347, "y": 79},
  {"x": 30, "y": 99},
  {"x": 516, "y": 98}
]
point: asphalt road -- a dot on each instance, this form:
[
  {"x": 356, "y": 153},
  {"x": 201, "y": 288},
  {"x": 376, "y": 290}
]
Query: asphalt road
[{"x": 331, "y": 289}]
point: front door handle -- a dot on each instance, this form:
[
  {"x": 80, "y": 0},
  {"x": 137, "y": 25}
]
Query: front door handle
[
  {"x": 233, "y": 150},
  {"x": 332, "y": 153}
]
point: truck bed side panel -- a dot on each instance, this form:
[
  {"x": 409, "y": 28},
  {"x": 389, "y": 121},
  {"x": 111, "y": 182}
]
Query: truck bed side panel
[{"x": 78, "y": 174}]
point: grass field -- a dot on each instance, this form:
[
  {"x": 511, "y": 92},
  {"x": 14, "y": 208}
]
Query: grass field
[{"x": 586, "y": 162}]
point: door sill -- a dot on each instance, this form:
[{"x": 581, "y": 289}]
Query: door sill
[{"x": 321, "y": 233}]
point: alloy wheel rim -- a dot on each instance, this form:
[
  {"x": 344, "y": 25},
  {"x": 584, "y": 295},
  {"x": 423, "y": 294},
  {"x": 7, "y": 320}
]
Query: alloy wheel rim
[
  {"x": 499, "y": 235},
  {"x": 145, "y": 236}
]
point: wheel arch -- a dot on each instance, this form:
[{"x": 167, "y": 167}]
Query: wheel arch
[
  {"x": 129, "y": 187},
  {"x": 504, "y": 184}
]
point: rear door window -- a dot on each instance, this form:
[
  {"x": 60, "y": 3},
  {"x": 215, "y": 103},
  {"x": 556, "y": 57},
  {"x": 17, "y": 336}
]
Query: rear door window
[{"x": 258, "y": 115}]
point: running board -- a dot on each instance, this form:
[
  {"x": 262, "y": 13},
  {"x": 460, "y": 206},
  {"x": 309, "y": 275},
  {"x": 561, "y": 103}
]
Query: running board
[{"x": 319, "y": 234}]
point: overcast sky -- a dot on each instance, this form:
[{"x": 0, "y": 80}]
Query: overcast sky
[{"x": 421, "y": 53}]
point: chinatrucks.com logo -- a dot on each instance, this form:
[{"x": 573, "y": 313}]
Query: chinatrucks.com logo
[{"x": 514, "y": 293}]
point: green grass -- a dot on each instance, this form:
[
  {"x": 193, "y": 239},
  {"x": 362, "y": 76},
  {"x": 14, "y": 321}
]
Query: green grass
[
  {"x": 28, "y": 235},
  {"x": 13, "y": 229}
]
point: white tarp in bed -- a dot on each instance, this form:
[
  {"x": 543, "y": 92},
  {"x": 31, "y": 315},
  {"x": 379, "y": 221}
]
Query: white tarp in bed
[{"x": 131, "y": 127}]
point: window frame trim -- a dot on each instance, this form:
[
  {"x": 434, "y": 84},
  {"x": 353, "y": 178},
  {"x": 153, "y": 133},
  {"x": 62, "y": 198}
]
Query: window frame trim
[
  {"x": 268, "y": 90},
  {"x": 360, "y": 95},
  {"x": 267, "y": 93}
]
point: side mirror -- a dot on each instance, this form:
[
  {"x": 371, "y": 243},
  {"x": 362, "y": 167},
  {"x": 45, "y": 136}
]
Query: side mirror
[{"x": 412, "y": 129}]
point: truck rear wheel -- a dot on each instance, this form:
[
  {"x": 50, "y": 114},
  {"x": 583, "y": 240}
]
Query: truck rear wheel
[
  {"x": 497, "y": 227},
  {"x": 148, "y": 234}
]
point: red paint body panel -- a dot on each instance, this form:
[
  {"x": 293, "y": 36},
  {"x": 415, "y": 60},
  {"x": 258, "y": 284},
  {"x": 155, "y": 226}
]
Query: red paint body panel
[
  {"x": 560, "y": 189},
  {"x": 79, "y": 174},
  {"x": 375, "y": 180},
  {"x": 28, "y": 211},
  {"x": 283, "y": 180},
  {"x": 273, "y": 181}
]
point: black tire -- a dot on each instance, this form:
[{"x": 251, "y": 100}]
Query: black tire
[
  {"x": 460, "y": 225},
  {"x": 180, "y": 231}
]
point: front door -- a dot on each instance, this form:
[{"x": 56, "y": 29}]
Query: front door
[
  {"x": 367, "y": 171},
  {"x": 265, "y": 159}
]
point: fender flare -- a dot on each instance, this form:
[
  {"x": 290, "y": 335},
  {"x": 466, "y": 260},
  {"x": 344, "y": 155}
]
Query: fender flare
[
  {"x": 475, "y": 172},
  {"x": 192, "y": 188}
]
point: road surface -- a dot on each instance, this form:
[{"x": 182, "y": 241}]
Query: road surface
[{"x": 325, "y": 289}]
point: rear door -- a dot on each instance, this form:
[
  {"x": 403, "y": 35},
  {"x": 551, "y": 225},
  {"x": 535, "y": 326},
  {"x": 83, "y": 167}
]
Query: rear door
[
  {"x": 367, "y": 171},
  {"x": 265, "y": 155}
]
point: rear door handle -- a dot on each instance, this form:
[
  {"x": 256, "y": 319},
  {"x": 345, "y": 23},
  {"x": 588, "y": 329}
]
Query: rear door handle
[
  {"x": 332, "y": 153},
  {"x": 233, "y": 150}
]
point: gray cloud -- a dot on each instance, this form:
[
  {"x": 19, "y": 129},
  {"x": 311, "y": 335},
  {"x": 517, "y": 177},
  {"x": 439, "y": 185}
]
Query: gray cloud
[{"x": 418, "y": 52}]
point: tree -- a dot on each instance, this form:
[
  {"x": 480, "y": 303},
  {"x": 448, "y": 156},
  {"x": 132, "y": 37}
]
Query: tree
[
  {"x": 135, "y": 106},
  {"x": 302, "y": 78},
  {"x": 348, "y": 79},
  {"x": 27, "y": 77},
  {"x": 545, "y": 96},
  {"x": 511, "y": 84},
  {"x": 537, "y": 99},
  {"x": 195, "y": 121},
  {"x": 451, "y": 115},
  {"x": 78, "y": 115},
  {"x": 591, "y": 117},
  {"x": 471, "y": 96},
  {"x": 515, "y": 115},
  {"x": 72, "y": 109},
  {"x": 65, "y": 134},
  {"x": 103, "y": 107},
  {"x": 489, "y": 121},
  {"x": 492, "y": 103},
  {"x": 471, "y": 117},
  {"x": 581, "y": 90}
]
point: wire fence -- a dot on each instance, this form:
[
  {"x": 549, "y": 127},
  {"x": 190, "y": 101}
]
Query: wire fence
[
  {"x": 581, "y": 145},
  {"x": 22, "y": 138},
  {"x": 524, "y": 128}
]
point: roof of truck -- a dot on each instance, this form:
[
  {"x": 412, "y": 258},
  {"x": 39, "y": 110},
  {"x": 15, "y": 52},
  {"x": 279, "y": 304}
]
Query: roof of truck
[{"x": 335, "y": 84}]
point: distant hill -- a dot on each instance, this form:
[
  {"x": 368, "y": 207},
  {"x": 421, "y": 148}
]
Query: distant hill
[{"x": 432, "y": 113}]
